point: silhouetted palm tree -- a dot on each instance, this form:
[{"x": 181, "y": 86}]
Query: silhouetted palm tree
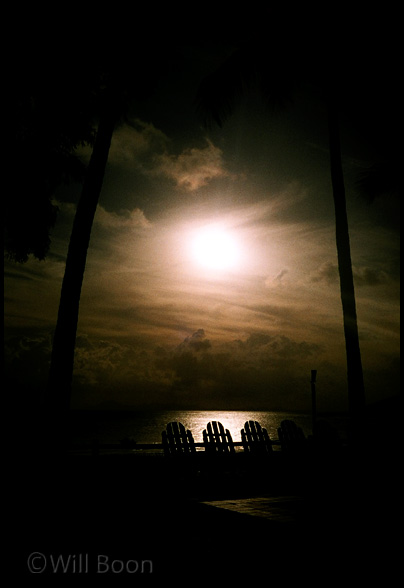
[
  {"x": 356, "y": 388},
  {"x": 279, "y": 68},
  {"x": 62, "y": 359},
  {"x": 124, "y": 81},
  {"x": 81, "y": 94}
]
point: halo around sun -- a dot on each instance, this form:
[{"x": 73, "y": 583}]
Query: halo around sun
[{"x": 215, "y": 248}]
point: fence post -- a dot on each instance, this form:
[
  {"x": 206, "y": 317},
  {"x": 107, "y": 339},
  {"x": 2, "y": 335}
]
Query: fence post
[{"x": 313, "y": 398}]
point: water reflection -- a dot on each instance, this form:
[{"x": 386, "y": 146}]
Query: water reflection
[
  {"x": 196, "y": 422},
  {"x": 146, "y": 427}
]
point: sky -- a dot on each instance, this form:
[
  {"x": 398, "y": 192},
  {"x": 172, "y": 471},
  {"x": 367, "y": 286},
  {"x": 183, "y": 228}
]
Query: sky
[{"x": 171, "y": 317}]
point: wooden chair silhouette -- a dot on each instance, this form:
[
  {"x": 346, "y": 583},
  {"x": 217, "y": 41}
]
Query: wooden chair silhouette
[
  {"x": 217, "y": 440},
  {"x": 291, "y": 437},
  {"x": 177, "y": 441},
  {"x": 255, "y": 439}
]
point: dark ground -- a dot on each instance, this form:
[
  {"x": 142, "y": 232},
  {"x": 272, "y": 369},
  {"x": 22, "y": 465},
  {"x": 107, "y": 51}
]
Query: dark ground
[
  {"x": 110, "y": 514},
  {"x": 131, "y": 509}
]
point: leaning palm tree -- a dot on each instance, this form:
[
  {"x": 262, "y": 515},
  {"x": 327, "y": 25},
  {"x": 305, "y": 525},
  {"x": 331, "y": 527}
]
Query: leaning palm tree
[
  {"x": 62, "y": 358},
  {"x": 122, "y": 86},
  {"x": 277, "y": 79}
]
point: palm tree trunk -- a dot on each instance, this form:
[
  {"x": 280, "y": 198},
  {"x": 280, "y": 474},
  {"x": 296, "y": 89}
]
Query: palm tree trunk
[
  {"x": 58, "y": 394},
  {"x": 356, "y": 389}
]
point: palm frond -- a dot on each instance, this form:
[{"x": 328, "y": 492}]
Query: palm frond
[
  {"x": 272, "y": 68},
  {"x": 381, "y": 179},
  {"x": 219, "y": 91}
]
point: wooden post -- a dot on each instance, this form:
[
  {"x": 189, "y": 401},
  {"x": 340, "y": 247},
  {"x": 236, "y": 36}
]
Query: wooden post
[{"x": 313, "y": 398}]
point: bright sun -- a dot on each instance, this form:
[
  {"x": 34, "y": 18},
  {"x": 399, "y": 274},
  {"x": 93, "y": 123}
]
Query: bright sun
[{"x": 215, "y": 248}]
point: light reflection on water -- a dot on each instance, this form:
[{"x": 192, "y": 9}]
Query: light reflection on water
[
  {"x": 232, "y": 420},
  {"x": 110, "y": 427}
]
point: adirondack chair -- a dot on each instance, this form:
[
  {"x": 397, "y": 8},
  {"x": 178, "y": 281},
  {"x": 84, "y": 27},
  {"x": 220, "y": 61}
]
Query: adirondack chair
[
  {"x": 217, "y": 440},
  {"x": 177, "y": 441},
  {"x": 255, "y": 439},
  {"x": 291, "y": 437}
]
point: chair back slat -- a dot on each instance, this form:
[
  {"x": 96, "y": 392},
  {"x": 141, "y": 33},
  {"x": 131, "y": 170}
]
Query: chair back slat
[
  {"x": 177, "y": 440},
  {"x": 255, "y": 439},
  {"x": 291, "y": 437},
  {"x": 217, "y": 439}
]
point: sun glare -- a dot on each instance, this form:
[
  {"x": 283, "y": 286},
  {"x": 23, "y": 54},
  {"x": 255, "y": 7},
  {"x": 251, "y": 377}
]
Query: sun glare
[{"x": 215, "y": 248}]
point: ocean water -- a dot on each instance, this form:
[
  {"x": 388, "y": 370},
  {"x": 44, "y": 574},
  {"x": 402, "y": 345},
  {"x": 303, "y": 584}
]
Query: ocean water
[{"x": 111, "y": 427}]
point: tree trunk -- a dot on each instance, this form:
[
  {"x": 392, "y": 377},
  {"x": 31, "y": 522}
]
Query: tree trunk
[
  {"x": 58, "y": 394},
  {"x": 356, "y": 389}
]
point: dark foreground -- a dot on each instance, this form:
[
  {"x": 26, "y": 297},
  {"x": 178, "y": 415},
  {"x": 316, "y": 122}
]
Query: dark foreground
[{"x": 139, "y": 519}]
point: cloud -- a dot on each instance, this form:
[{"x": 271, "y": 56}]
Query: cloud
[
  {"x": 258, "y": 371},
  {"x": 135, "y": 142},
  {"x": 201, "y": 365},
  {"x": 197, "y": 342},
  {"x": 128, "y": 219},
  {"x": 142, "y": 145},
  {"x": 363, "y": 276},
  {"x": 124, "y": 219},
  {"x": 193, "y": 168},
  {"x": 327, "y": 272},
  {"x": 255, "y": 372},
  {"x": 366, "y": 276},
  {"x": 101, "y": 362},
  {"x": 197, "y": 366},
  {"x": 276, "y": 281},
  {"x": 264, "y": 349}
]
